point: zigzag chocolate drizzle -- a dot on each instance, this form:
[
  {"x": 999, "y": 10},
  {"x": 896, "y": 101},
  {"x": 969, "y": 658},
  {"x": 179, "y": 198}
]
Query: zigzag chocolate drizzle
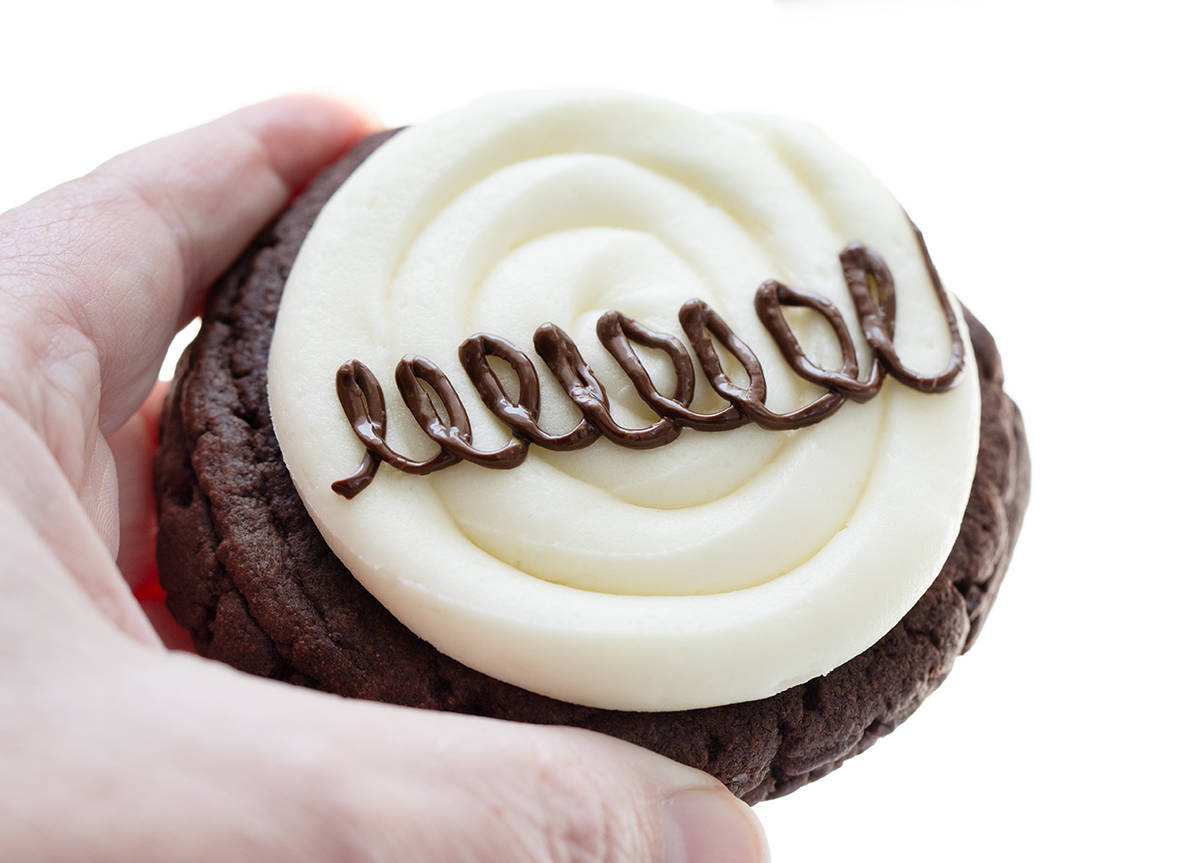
[{"x": 871, "y": 288}]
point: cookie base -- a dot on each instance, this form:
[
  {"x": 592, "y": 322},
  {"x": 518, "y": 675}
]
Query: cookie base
[{"x": 246, "y": 571}]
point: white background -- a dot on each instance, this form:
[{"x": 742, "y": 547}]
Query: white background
[{"x": 1048, "y": 150}]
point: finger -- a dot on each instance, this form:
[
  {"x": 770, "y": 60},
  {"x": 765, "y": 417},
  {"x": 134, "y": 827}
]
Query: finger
[
  {"x": 307, "y": 776},
  {"x": 102, "y": 270},
  {"x": 133, "y": 452},
  {"x": 133, "y": 447}
]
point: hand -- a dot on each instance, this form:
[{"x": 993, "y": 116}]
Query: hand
[{"x": 118, "y": 749}]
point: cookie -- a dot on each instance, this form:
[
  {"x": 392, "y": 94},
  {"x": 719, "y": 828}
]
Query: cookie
[{"x": 247, "y": 571}]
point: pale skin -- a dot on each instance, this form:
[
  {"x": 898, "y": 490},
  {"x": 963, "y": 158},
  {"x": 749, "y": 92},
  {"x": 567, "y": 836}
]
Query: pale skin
[{"x": 117, "y": 748}]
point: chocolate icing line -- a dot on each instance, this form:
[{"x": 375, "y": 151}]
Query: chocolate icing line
[{"x": 871, "y": 287}]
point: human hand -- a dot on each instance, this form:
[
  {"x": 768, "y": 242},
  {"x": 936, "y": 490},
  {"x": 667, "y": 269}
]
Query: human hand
[{"x": 119, "y": 749}]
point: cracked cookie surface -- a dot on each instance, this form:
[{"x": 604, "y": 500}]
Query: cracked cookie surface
[{"x": 248, "y": 574}]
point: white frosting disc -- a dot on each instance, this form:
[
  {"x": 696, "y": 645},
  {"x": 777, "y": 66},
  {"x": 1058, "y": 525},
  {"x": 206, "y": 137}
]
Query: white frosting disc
[{"x": 722, "y": 567}]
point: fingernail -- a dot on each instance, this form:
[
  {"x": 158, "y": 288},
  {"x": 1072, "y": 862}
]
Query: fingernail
[{"x": 710, "y": 827}]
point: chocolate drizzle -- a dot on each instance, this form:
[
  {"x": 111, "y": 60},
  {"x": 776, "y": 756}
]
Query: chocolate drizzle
[{"x": 872, "y": 290}]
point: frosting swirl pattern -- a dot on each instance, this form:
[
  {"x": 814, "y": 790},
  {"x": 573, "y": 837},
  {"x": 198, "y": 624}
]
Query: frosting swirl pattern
[{"x": 720, "y": 568}]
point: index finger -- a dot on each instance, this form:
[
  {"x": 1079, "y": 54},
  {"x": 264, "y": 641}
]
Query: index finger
[{"x": 104, "y": 268}]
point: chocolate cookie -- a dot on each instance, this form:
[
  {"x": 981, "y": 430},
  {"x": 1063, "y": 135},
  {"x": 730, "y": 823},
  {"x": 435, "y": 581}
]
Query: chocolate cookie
[{"x": 248, "y": 574}]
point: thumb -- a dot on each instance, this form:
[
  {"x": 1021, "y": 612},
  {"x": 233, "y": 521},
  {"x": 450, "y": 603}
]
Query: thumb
[
  {"x": 221, "y": 765},
  {"x": 558, "y": 794},
  {"x": 448, "y": 787}
]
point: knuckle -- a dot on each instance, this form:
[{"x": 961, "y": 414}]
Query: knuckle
[
  {"x": 291, "y": 799},
  {"x": 583, "y": 816}
]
